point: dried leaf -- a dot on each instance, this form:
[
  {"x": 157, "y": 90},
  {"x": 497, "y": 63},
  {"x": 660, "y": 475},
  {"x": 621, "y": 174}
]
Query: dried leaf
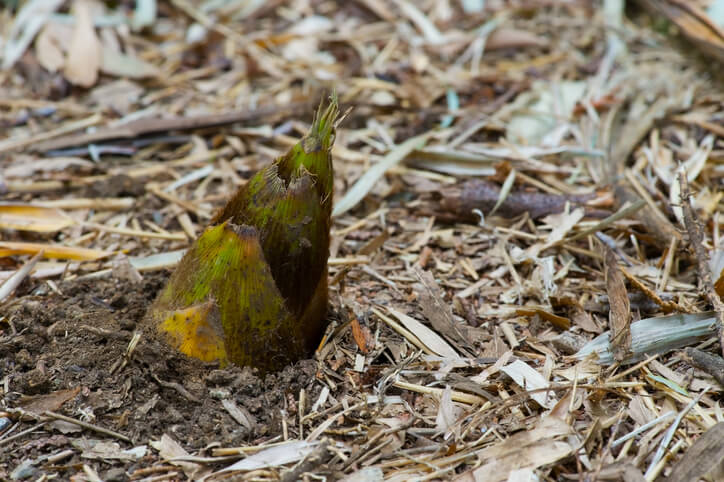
[
  {"x": 17, "y": 277},
  {"x": 704, "y": 455},
  {"x": 368, "y": 180},
  {"x": 427, "y": 337},
  {"x": 123, "y": 65},
  {"x": 547, "y": 106},
  {"x": 48, "y": 47},
  {"x": 102, "y": 450},
  {"x": 654, "y": 335},
  {"x": 9, "y": 248},
  {"x": 437, "y": 311},
  {"x": 84, "y": 55},
  {"x": 447, "y": 413},
  {"x": 544, "y": 444},
  {"x": 362, "y": 336},
  {"x": 242, "y": 416},
  {"x": 275, "y": 456},
  {"x": 529, "y": 379},
  {"x": 26, "y": 217},
  {"x": 38, "y": 404},
  {"x": 169, "y": 449},
  {"x": 28, "y": 22},
  {"x": 619, "y": 317},
  {"x": 694, "y": 24},
  {"x": 507, "y": 38}
]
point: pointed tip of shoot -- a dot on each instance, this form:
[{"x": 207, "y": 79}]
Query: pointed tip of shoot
[{"x": 322, "y": 132}]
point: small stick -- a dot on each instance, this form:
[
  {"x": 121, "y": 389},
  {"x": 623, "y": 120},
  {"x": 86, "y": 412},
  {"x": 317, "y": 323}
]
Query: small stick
[
  {"x": 711, "y": 364},
  {"x": 666, "y": 306},
  {"x": 87, "y": 425},
  {"x": 21, "y": 434},
  {"x": 178, "y": 387}
]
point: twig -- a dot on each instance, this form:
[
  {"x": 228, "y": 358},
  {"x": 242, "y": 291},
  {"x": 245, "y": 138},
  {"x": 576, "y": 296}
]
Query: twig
[
  {"x": 179, "y": 388},
  {"x": 21, "y": 434},
  {"x": 666, "y": 306},
  {"x": 712, "y": 364},
  {"x": 87, "y": 425},
  {"x": 134, "y": 129},
  {"x": 670, "y": 433}
]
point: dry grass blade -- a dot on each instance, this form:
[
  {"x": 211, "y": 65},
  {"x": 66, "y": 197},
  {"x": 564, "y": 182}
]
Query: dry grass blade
[
  {"x": 365, "y": 183},
  {"x": 12, "y": 282},
  {"x": 25, "y": 217},
  {"x": 9, "y": 248}
]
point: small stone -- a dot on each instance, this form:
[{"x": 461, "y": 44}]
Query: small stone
[{"x": 25, "y": 470}]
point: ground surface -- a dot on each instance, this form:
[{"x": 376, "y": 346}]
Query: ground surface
[
  {"x": 529, "y": 202},
  {"x": 71, "y": 340}
]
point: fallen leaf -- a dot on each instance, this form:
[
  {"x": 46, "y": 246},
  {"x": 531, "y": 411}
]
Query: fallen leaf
[
  {"x": 84, "y": 55},
  {"x": 26, "y": 217},
  {"x": 619, "y": 316},
  {"x": 362, "y": 336},
  {"x": 49, "y": 48},
  {"x": 121, "y": 65},
  {"x": 169, "y": 449},
  {"x": 504, "y": 38},
  {"x": 10, "y": 248},
  {"x": 275, "y": 456},
  {"x": 52, "y": 402}
]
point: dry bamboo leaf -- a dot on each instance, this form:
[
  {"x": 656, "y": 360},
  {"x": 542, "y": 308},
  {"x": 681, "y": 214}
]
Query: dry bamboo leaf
[
  {"x": 106, "y": 451},
  {"x": 447, "y": 413},
  {"x": 429, "y": 338},
  {"x": 362, "y": 336},
  {"x": 51, "y": 401},
  {"x": 365, "y": 183},
  {"x": 26, "y": 217},
  {"x": 705, "y": 455},
  {"x": 48, "y": 47},
  {"x": 169, "y": 449},
  {"x": 544, "y": 444},
  {"x": 17, "y": 277},
  {"x": 292, "y": 451},
  {"x": 654, "y": 335},
  {"x": 505, "y": 38},
  {"x": 122, "y": 65},
  {"x": 548, "y": 105},
  {"x": 559, "y": 322},
  {"x": 529, "y": 379},
  {"x": 693, "y": 22},
  {"x": 84, "y": 56},
  {"x": 28, "y": 22},
  {"x": 619, "y": 316},
  {"x": 437, "y": 311},
  {"x": 9, "y": 248}
]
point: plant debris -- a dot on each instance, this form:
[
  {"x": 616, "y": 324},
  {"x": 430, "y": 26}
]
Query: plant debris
[{"x": 507, "y": 182}]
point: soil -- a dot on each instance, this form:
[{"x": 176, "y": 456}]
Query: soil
[{"x": 51, "y": 342}]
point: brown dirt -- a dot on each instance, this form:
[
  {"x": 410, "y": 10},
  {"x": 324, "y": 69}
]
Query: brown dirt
[{"x": 74, "y": 339}]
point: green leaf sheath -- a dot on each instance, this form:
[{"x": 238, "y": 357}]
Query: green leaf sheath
[{"x": 258, "y": 273}]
